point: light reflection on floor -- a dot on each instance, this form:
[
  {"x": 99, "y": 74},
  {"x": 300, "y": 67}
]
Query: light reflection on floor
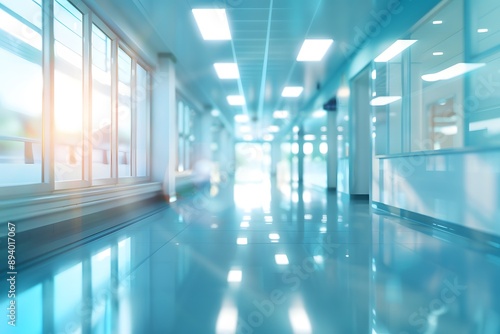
[{"x": 265, "y": 261}]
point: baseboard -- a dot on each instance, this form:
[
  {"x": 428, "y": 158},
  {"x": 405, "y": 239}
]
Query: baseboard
[{"x": 440, "y": 225}]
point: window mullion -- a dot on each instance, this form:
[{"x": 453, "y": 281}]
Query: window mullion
[{"x": 48, "y": 146}]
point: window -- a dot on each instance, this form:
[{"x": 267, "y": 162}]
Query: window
[
  {"x": 102, "y": 104},
  {"x": 185, "y": 136},
  {"x": 68, "y": 88},
  {"x": 93, "y": 103},
  {"x": 21, "y": 91}
]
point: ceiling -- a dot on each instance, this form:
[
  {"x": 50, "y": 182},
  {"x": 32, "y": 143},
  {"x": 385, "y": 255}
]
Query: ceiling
[{"x": 266, "y": 38}]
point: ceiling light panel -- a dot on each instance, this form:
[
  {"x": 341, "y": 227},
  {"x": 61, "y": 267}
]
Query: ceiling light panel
[
  {"x": 384, "y": 100},
  {"x": 314, "y": 49},
  {"x": 227, "y": 70},
  {"x": 292, "y": 91},
  {"x": 394, "y": 50},
  {"x": 236, "y": 100},
  {"x": 281, "y": 114},
  {"x": 213, "y": 24}
]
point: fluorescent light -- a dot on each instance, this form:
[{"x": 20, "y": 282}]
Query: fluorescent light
[
  {"x": 241, "y": 118},
  {"x": 245, "y": 224},
  {"x": 448, "y": 130},
  {"x": 212, "y": 23},
  {"x": 274, "y": 236},
  {"x": 273, "y": 129},
  {"x": 309, "y": 137},
  {"x": 314, "y": 49},
  {"x": 319, "y": 114},
  {"x": 374, "y": 75},
  {"x": 242, "y": 241},
  {"x": 438, "y": 53},
  {"x": 245, "y": 128},
  {"x": 215, "y": 113},
  {"x": 437, "y": 22},
  {"x": 281, "y": 114},
  {"x": 452, "y": 72},
  {"x": 236, "y": 100},
  {"x": 292, "y": 91},
  {"x": 281, "y": 259},
  {"x": 482, "y": 30},
  {"x": 268, "y": 219},
  {"x": 384, "y": 100},
  {"x": 394, "y": 50},
  {"x": 234, "y": 276},
  {"x": 227, "y": 70}
]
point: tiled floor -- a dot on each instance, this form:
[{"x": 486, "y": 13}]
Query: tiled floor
[{"x": 258, "y": 259}]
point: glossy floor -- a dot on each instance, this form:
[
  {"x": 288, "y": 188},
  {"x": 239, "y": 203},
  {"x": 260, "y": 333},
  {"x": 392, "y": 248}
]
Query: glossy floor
[{"x": 258, "y": 258}]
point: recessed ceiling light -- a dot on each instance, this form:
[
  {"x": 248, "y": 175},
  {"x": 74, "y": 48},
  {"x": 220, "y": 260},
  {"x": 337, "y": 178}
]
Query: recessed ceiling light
[
  {"x": 274, "y": 236},
  {"x": 242, "y": 118},
  {"x": 242, "y": 241},
  {"x": 212, "y": 23},
  {"x": 245, "y": 129},
  {"x": 227, "y": 70},
  {"x": 273, "y": 129},
  {"x": 281, "y": 259},
  {"x": 236, "y": 100},
  {"x": 438, "y": 53},
  {"x": 384, "y": 100},
  {"x": 281, "y": 114},
  {"x": 234, "y": 276},
  {"x": 314, "y": 49},
  {"x": 309, "y": 137},
  {"x": 292, "y": 91},
  {"x": 482, "y": 30},
  {"x": 452, "y": 72},
  {"x": 394, "y": 50},
  {"x": 437, "y": 22}
]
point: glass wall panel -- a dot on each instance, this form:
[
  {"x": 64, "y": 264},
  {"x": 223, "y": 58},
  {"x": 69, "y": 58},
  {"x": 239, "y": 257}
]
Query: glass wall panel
[
  {"x": 437, "y": 84},
  {"x": 21, "y": 91},
  {"x": 101, "y": 104},
  {"x": 68, "y": 88},
  {"x": 124, "y": 114}
]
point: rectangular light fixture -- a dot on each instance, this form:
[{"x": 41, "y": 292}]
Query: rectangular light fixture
[
  {"x": 437, "y": 22},
  {"x": 227, "y": 70},
  {"x": 281, "y": 259},
  {"x": 281, "y": 114},
  {"x": 452, "y": 72},
  {"x": 438, "y": 53},
  {"x": 236, "y": 100},
  {"x": 273, "y": 129},
  {"x": 234, "y": 276},
  {"x": 245, "y": 224},
  {"x": 394, "y": 50},
  {"x": 242, "y": 118},
  {"x": 309, "y": 137},
  {"x": 384, "y": 100},
  {"x": 241, "y": 241},
  {"x": 274, "y": 236},
  {"x": 482, "y": 30},
  {"x": 314, "y": 49},
  {"x": 213, "y": 24},
  {"x": 292, "y": 91}
]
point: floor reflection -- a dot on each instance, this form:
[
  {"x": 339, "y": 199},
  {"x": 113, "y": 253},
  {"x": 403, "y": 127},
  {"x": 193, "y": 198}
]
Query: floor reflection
[{"x": 264, "y": 258}]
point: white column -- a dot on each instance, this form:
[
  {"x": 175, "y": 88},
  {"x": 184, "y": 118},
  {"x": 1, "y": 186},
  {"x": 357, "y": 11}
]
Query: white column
[
  {"x": 331, "y": 161},
  {"x": 301, "y": 155},
  {"x": 163, "y": 124}
]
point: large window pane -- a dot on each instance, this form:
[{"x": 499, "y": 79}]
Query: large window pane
[
  {"x": 101, "y": 104},
  {"x": 20, "y": 93},
  {"x": 124, "y": 114},
  {"x": 142, "y": 124},
  {"x": 68, "y": 87}
]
